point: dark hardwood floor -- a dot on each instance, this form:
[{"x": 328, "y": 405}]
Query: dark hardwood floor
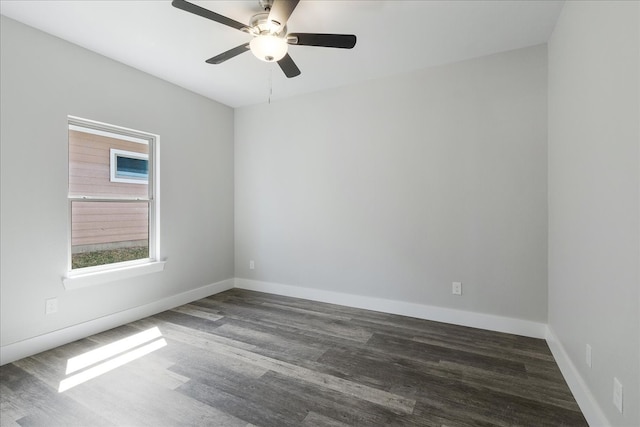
[{"x": 244, "y": 358}]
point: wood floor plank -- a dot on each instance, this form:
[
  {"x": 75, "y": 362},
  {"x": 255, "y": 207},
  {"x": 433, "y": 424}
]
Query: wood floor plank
[
  {"x": 242, "y": 358},
  {"x": 280, "y": 317},
  {"x": 194, "y": 310},
  {"x": 274, "y": 342},
  {"x": 10, "y": 410},
  {"x": 393, "y": 402},
  {"x": 314, "y": 419},
  {"x": 347, "y": 409},
  {"x": 41, "y": 404},
  {"x": 415, "y": 350},
  {"x": 252, "y": 410}
]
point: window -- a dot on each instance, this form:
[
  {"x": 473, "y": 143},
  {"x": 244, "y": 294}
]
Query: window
[
  {"x": 112, "y": 197},
  {"x": 129, "y": 166}
]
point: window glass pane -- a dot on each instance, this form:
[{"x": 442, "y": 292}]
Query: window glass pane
[
  {"x": 108, "y": 232},
  {"x": 128, "y": 167},
  {"x": 90, "y": 166}
]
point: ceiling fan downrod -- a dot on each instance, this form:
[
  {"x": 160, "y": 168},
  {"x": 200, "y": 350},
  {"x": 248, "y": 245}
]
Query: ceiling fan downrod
[{"x": 265, "y": 4}]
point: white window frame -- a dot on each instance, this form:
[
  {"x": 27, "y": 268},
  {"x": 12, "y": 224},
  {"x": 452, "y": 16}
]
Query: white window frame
[
  {"x": 88, "y": 276},
  {"x": 114, "y": 153}
]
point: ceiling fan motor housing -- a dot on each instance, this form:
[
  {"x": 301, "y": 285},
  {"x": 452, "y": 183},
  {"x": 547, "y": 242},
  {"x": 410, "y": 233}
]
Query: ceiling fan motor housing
[{"x": 260, "y": 25}]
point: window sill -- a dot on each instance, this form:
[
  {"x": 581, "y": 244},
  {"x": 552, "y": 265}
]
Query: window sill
[{"x": 83, "y": 280}]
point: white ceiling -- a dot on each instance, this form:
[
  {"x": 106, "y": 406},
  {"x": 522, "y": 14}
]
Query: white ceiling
[{"x": 393, "y": 37}]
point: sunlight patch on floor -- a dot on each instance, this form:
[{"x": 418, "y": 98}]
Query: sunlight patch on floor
[{"x": 125, "y": 350}]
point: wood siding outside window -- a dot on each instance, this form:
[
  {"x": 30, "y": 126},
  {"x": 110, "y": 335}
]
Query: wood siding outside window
[{"x": 100, "y": 223}]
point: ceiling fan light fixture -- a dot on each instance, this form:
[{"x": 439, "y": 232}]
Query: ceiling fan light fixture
[{"x": 269, "y": 48}]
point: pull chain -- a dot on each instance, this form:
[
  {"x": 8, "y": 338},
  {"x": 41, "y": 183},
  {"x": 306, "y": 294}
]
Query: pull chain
[{"x": 270, "y": 83}]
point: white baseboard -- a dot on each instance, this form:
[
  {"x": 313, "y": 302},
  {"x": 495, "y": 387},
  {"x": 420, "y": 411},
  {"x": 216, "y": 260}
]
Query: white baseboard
[
  {"x": 420, "y": 311},
  {"x": 586, "y": 401},
  {"x": 31, "y": 346}
]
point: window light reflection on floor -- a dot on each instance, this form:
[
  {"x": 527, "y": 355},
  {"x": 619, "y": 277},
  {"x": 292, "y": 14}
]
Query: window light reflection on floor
[{"x": 127, "y": 349}]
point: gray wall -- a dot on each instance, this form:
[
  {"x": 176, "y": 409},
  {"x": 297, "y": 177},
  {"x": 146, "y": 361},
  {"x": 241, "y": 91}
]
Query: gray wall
[
  {"x": 44, "y": 79},
  {"x": 594, "y": 184},
  {"x": 396, "y": 187}
]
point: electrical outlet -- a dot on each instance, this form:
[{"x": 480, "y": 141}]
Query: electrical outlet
[
  {"x": 456, "y": 288},
  {"x": 252, "y": 265},
  {"x": 51, "y": 306},
  {"x": 617, "y": 394},
  {"x": 588, "y": 355}
]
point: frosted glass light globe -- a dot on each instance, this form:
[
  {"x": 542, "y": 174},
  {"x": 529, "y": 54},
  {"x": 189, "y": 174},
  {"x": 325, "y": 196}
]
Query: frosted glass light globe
[{"x": 268, "y": 48}]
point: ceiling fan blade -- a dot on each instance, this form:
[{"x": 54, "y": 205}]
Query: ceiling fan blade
[
  {"x": 343, "y": 41},
  {"x": 281, "y": 11},
  {"x": 206, "y": 13},
  {"x": 231, "y": 53},
  {"x": 289, "y": 67}
]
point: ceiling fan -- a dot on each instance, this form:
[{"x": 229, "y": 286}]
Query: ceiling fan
[{"x": 269, "y": 30}]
